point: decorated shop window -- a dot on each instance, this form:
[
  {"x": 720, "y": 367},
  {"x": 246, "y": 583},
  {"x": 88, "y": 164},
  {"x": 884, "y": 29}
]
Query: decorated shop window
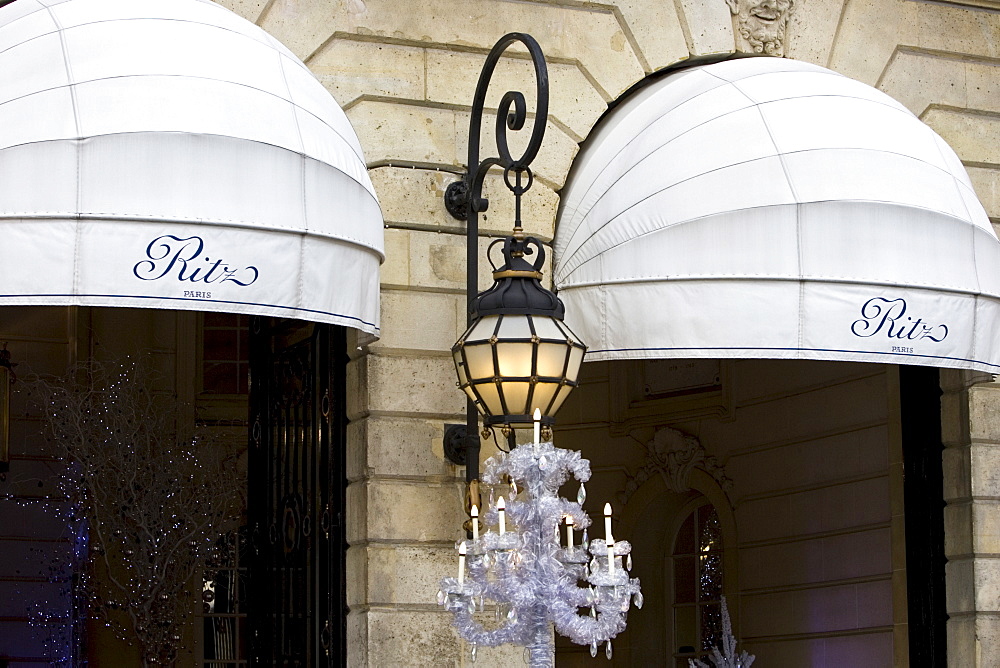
[{"x": 698, "y": 585}]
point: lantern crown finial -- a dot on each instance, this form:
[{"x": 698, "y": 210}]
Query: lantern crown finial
[{"x": 517, "y": 287}]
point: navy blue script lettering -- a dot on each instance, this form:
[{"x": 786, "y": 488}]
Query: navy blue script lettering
[
  {"x": 182, "y": 259},
  {"x": 887, "y": 316}
]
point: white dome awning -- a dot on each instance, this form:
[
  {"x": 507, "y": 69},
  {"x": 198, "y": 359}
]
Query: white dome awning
[
  {"x": 170, "y": 154},
  {"x": 769, "y": 208}
]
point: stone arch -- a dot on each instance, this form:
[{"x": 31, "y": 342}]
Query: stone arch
[{"x": 680, "y": 476}]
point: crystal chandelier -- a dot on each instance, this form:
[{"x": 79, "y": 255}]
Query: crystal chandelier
[{"x": 521, "y": 568}]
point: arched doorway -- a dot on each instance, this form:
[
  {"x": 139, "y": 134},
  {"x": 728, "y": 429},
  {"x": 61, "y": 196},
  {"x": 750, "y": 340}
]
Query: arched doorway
[{"x": 800, "y": 459}]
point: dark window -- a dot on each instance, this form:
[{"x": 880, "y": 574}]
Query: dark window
[
  {"x": 697, "y": 576},
  {"x": 224, "y": 360}
]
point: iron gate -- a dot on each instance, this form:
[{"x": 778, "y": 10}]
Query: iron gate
[{"x": 297, "y": 595}]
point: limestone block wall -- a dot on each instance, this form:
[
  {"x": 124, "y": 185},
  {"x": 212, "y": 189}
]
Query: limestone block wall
[
  {"x": 405, "y": 73},
  {"x": 970, "y": 410}
]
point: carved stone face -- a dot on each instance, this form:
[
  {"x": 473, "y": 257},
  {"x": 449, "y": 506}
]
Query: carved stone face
[{"x": 760, "y": 25}]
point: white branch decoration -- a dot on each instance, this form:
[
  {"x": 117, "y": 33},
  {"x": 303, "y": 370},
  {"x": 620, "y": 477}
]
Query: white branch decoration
[{"x": 727, "y": 658}]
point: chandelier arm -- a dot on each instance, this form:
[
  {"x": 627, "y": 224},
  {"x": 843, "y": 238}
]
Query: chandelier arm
[{"x": 475, "y": 632}]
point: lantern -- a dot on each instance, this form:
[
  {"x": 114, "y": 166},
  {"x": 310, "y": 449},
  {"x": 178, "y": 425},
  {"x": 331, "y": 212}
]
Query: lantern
[{"x": 518, "y": 354}]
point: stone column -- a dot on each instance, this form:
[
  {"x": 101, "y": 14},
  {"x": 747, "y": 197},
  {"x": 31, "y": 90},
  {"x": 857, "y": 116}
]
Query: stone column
[
  {"x": 971, "y": 434},
  {"x": 405, "y": 500}
]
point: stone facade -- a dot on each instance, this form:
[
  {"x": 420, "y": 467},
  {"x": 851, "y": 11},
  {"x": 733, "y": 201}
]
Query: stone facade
[{"x": 406, "y": 79}]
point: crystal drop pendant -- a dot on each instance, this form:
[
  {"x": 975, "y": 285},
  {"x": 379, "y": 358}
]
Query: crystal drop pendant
[
  {"x": 638, "y": 599},
  {"x": 628, "y": 562},
  {"x": 441, "y": 597},
  {"x": 471, "y": 606},
  {"x": 513, "y": 489},
  {"x": 607, "y": 650},
  {"x": 586, "y": 540},
  {"x": 593, "y": 612},
  {"x": 581, "y": 495},
  {"x": 475, "y": 650},
  {"x": 593, "y": 649},
  {"x": 512, "y": 616},
  {"x": 493, "y": 501}
]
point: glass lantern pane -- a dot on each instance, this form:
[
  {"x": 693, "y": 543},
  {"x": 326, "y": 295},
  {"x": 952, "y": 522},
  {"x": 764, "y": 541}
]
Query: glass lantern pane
[
  {"x": 516, "y": 395},
  {"x": 491, "y": 398},
  {"x": 560, "y": 398},
  {"x": 545, "y": 328},
  {"x": 514, "y": 359},
  {"x": 543, "y": 397},
  {"x": 514, "y": 327},
  {"x": 575, "y": 360},
  {"x": 480, "y": 360},
  {"x": 463, "y": 377},
  {"x": 551, "y": 359},
  {"x": 483, "y": 329}
]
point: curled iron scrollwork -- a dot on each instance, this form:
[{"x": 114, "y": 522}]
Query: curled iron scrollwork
[{"x": 465, "y": 198}]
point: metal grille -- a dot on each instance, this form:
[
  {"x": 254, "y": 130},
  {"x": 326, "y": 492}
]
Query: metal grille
[
  {"x": 224, "y": 623},
  {"x": 297, "y": 484}
]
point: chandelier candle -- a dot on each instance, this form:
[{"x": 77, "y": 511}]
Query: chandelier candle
[
  {"x": 569, "y": 533},
  {"x": 537, "y": 417},
  {"x": 461, "y": 564},
  {"x": 475, "y": 522},
  {"x": 502, "y": 512}
]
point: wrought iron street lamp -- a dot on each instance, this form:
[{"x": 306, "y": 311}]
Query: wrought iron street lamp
[
  {"x": 517, "y": 362},
  {"x": 517, "y": 354}
]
